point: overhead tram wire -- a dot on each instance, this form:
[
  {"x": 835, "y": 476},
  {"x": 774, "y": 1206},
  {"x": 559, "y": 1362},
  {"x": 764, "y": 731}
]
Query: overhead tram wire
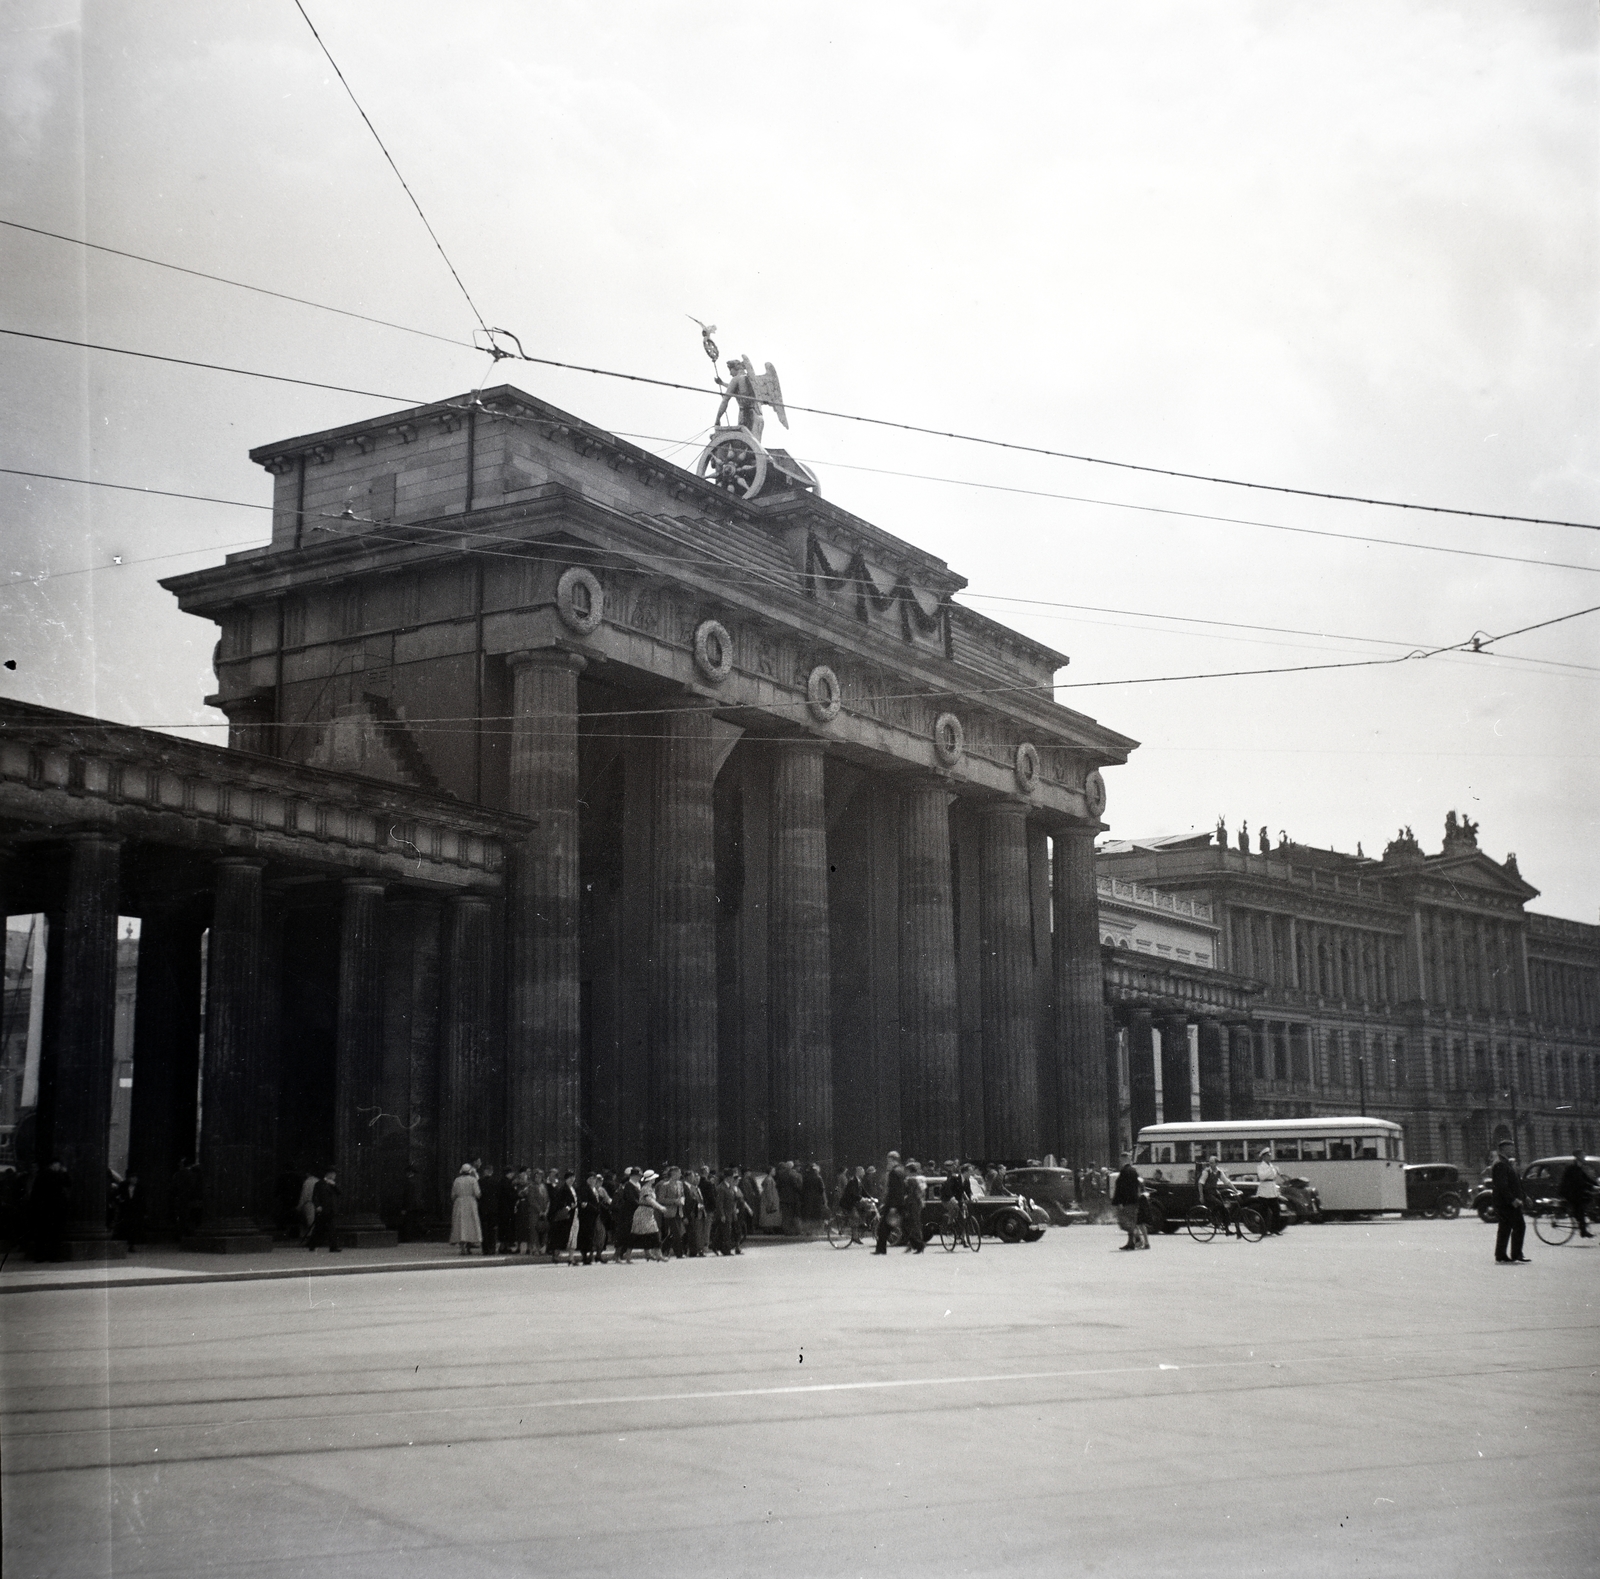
[
  {"x": 499, "y": 354},
  {"x": 243, "y": 285},
  {"x": 396, "y": 168},
  {"x": 1475, "y": 643},
  {"x": 520, "y": 548},
  {"x": 414, "y": 400}
]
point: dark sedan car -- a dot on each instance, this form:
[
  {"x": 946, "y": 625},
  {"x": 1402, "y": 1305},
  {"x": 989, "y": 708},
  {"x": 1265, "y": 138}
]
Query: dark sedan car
[
  {"x": 1050, "y": 1188},
  {"x": 1171, "y": 1200},
  {"x": 1433, "y": 1189},
  {"x": 1005, "y": 1216},
  {"x": 1541, "y": 1179}
]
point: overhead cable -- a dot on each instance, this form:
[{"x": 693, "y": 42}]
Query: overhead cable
[
  {"x": 243, "y": 285},
  {"x": 393, "y": 166}
]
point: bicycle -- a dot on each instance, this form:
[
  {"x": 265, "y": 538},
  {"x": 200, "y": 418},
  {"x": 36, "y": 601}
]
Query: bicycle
[
  {"x": 850, "y": 1228},
  {"x": 1202, "y": 1223},
  {"x": 959, "y": 1225},
  {"x": 1553, "y": 1220}
]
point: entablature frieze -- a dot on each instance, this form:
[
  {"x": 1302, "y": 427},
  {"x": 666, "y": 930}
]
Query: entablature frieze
[{"x": 61, "y": 772}]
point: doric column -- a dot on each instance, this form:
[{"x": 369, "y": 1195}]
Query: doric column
[
  {"x": 930, "y": 1029},
  {"x": 1241, "y": 1072},
  {"x": 1113, "y": 1138},
  {"x": 1141, "y": 1070},
  {"x": 231, "y": 1218},
  {"x": 801, "y": 1069},
  {"x": 1010, "y": 1022},
  {"x": 1175, "y": 1100},
  {"x": 682, "y": 1084},
  {"x": 358, "y": 1064},
  {"x": 471, "y": 1080},
  {"x": 1213, "y": 1072},
  {"x": 166, "y": 1058},
  {"x": 1087, "y": 1108},
  {"x": 543, "y": 1035},
  {"x": 82, "y": 971}
]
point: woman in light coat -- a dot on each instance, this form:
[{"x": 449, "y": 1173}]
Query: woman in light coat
[{"x": 465, "y": 1228}]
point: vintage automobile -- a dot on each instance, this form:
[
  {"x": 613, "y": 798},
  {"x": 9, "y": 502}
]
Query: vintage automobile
[
  {"x": 1433, "y": 1189},
  {"x": 1049, "y": 1188},
  {"x": 1541, "y": 1179},
  {"x": 1006, "y": 1216},
  {"x": 1171, "y": 1200}
]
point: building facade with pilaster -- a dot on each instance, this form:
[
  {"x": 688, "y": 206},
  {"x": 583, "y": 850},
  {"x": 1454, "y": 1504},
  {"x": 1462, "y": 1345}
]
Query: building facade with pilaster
[{"x": 1416, "y": 987}]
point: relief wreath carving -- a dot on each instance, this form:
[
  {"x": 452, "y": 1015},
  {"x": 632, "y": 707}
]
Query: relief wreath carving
[
  {"x": 949, "y": 739},
  {"x": 713, "y": 651},
  {"x": 580, "y": 600}
]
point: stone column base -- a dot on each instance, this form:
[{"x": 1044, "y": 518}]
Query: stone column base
[
  {"x": 227, "y": 1242},
  {"x": 94, "y": 1250},
  {"x": 370, "y": 1235}
]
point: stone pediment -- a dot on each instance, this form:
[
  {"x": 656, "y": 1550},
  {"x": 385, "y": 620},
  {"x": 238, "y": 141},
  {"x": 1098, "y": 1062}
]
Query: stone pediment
[{"x": 1477, "y": 872}]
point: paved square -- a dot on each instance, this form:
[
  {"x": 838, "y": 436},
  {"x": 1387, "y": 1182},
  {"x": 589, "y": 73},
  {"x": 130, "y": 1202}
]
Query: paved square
[{"x": 1369, "y": 1399}]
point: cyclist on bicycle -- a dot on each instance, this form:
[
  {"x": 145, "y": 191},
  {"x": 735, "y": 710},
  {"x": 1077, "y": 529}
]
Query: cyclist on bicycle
[
  {"x": 1217, "y": 1192},
  {"x": 850, "y": 1202},
  {"x": 1578, "y": 1191},
  {"x": 954, "y": 1192}
]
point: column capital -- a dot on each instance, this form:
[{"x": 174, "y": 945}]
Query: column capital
[
  {"x": 89, "y": 836},
  {"x": 1019, "y": 809},
  {"x": 549, "y": 657},
  {"x": 236, "y": 861},
  {"x": 355, "y": 885}
]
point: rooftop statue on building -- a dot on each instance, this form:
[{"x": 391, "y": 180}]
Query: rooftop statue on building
[{"x": 734, "y": 459}]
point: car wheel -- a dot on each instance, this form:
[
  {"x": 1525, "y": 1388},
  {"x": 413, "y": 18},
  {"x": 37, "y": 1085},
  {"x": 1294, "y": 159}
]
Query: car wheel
[
  {"x": 1156, "y": 1217},
  {"x": 1449, "y": 1207},
  {"x": 1011, "y": 1228},
  {"x": 1486, "y": 1212}
]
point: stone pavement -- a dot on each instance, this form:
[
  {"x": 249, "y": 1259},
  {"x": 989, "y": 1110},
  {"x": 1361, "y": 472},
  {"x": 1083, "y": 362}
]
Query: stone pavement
[{"x": 1364, "y": 1399}]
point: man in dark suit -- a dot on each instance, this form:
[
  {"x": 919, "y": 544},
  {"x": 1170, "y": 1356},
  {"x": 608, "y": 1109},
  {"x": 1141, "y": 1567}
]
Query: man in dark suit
[
  {"x": 894, "y": 1200},
  {"x": 1577, "y": 1190},
  {"x": 325, "y": 1202},
  {"x": 1506, "y": 1183}
]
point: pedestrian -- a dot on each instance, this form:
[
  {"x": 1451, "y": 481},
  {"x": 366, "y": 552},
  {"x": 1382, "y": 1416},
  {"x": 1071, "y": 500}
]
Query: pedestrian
[
  {"x": 489, "y": 1207},
  {"x": 893, "y": 1201},
  {"x": 1268, "y": 1191},
  {"x": 1510, "y": 1224},
  {"x": 671, "y": 1197},
  {"x": 916, "y": 1192},
  {"x": 305, "y": 1208},
  {"x": 563, "y": 1217},
  {"x": 647, "y": 1219},
  {"x": 731, "y": 1205},
  {"x": 505, "y": 1225},
  {"x": 538, "y": 1208},
  {"x": 590, "y": 1199},
  {"x": 1125, "y": 1199},
  {"x": 411, "y": 1206},
  {"x": 522, "y": 1214},
  {"x": 128, "y": 1211},
  {"x": 325, "y": 1223},
  {"x": 466, "y": 1226},
  {"x": 813, "y": 1197},
  {"x": 623, "y": 1201},
  {"x": 1576, "y": 1187},
  {"x": 850, "y": 1193}
]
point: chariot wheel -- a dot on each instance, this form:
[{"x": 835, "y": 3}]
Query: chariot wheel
[{"x": 734, "y": 462}]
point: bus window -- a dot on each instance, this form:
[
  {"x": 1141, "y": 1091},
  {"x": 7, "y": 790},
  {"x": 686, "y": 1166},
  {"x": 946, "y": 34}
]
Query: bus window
[
  {"x": 1199, "y": 1151},
  {"x": 1313, "y": 1150},
  {"x": 1141, "y": 1152},
  {"x": 1369, "y": 1147},
  {"x": 1286, "y": 1151},
  {"x": 1162, "y": 1151},
  {"x": 1341, "y": 1150},
  {"x": 1234, "y": 1150}
]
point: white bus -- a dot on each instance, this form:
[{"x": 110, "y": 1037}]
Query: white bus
[{"x": 1356, "y": 1165}]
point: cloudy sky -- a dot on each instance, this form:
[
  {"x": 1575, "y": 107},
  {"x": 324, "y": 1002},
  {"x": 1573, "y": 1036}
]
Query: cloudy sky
[{"x": 1344, "y": 247}]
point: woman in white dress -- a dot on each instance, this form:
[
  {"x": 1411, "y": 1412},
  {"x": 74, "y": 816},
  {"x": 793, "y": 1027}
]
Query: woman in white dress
[{"x": 465, "y": 1228}]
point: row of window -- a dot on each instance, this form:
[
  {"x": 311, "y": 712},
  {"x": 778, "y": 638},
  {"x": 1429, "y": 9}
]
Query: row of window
[{"x": 1307, "y": 1148}]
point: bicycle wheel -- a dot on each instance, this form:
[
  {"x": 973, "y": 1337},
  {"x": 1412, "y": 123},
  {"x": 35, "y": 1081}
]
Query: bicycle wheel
[
  {"x": 1556, "y": 1225},
  {"x": 1250, "y": 1224},
  {"x": 841, "y": 1232},
  {"x": 949, "y": 1233},
  {"x": 1201, "y": 1225},
  {"x": 972, "y": 1231}
]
